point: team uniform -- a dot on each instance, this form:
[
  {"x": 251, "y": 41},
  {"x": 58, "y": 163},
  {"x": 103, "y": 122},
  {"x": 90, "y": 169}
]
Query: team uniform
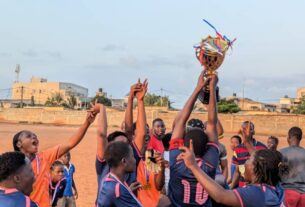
[
  {"x": 260, "y": 195},
  {"x": 13, "y": 198},
  {"x": 102, "y": 168},
  {"x": 41, "y": 166},
  {"x": 241, "y": 155},
  {"x": 68, "y": 199},
  {"x": 294, "y": 183},
  {"x": 114, "y": 193},
  {"x": 57, "y": 192},
  {"x": 184, "y": 190},
  {"x": 156, "y": 144},
  {"x": 149, "y": 196}
]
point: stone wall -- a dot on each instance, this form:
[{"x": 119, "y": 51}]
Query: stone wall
[{"x": 264, "y": 124}]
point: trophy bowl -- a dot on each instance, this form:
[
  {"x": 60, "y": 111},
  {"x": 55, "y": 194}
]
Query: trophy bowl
[{"x": 211, "y": 53}]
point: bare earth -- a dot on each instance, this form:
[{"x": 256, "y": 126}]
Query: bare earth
[{"x": 83, "y": 156}]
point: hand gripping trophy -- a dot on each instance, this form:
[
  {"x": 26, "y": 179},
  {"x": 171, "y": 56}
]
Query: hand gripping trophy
[{"x": 211, "y": 52}]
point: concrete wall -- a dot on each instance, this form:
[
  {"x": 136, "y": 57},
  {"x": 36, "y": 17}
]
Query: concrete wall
[{"x": 264, "y": 124}]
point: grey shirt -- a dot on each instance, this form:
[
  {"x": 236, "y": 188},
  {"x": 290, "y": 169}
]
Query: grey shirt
[{"x": 296, "y": 163}]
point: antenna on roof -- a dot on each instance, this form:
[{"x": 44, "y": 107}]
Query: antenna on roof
[{"x": 17, "y": 71}]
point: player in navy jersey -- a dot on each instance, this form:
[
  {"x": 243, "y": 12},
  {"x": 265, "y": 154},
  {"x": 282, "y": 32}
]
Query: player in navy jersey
[
  {"x": 16, "y": 180},
  {"x": 263, "y": 171},
  {"x": 184, "y": 190},
  {"x": 102, "y": 169},
  {"x": 114, "y": 191}
]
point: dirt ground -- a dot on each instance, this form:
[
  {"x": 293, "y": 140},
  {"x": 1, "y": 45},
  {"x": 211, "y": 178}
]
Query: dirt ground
[{"x": 83, "y": 156}]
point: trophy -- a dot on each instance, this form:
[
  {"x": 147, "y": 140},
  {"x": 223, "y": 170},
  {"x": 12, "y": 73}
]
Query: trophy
[{"x": 211, "y": 53}]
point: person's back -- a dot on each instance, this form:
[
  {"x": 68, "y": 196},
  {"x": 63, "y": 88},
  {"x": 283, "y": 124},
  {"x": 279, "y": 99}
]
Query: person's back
[
  {"x": 14, "y": 198},
  {"x": 296, "y": 162}
]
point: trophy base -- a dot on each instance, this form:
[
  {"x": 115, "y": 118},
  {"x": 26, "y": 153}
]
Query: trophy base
[{"x": 204, "y": 95}]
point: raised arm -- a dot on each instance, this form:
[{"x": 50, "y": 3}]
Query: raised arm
[
  {"x": 101, "y": 137},
  {"x": 218, "y": 193},
  {"x": 129, "y": 111},
  {"x": 184, "y": 114},
  {"x": 79, "y": 135},
  {"x": 246, "y": 131},
  {"x": 212, "y": 111},
  {"x": 141, "y": 117}
]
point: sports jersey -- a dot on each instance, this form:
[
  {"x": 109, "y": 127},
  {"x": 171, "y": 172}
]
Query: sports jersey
[
  {"x": 241, "y": 155},
  {"x": 155, "y": 143},
  {"x": 102, "y": 168},
  {"x": 41, "y": 167},
  {"x": 184, "y": 190},
  {"x": 115, "y": 193},
  {"x": 149, "y": 196},
  {"x": 260, "y": 195},
  {"x": 57, "y": 191},
  {"x": 13, "y": 198},
  {"x": 68, "y": 172}
]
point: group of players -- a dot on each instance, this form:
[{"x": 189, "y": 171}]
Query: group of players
[{"x": 141, "y": 167}]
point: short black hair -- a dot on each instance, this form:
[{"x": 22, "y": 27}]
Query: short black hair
[
  {"x": 111, "y": 137},
  {"x": 16, "y": 140},
  {"x": 269, "y": 167},
  {"x": 195, "y": 123},
  {"x": 237, "y": 137},
  {"x": 156, "y": 120},
  {"x": 56, "y": 164},
  {"x": 200, "y": 140},
  {"x": 166, "y": 139},
  {"x": 10, "y": 163},
  {"x": 276, "y": 140},
  {"x": 295, "y": 132},
  {"x": 115, "y": 152}
]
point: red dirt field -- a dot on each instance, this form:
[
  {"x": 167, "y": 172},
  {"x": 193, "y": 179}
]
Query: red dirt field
[{"x": 83, "y": 156}]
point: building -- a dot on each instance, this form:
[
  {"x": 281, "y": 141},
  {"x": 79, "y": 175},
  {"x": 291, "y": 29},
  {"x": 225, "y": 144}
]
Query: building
[
  {"x": 39, "y": 90},
  {"x": 300, "y": 93}
]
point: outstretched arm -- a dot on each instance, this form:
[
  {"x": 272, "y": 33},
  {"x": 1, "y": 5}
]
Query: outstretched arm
[
  {"x": 212, "y": 112},
  {"x": 160, "y": 177},
  {"x": 79, "y": 135},
  {"x": 184, "y": 114},
  {"x": 101, "y": 137},
  {"x": 141, "y": 118},
  {"x": 245, "y": 131},
  {"x": 129, "y": 111},
  {"x": 218, "y": 193}
]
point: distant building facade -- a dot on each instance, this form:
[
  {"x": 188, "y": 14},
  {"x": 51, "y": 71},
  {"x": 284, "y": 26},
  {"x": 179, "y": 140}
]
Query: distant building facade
[{"x": 39, "y": 90}]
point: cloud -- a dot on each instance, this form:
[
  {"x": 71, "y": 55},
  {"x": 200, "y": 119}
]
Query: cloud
[
  {"x": 30, "y": 53},
  {"x": 111, "y": 48},
  {"x": 54, "y": 54},
  {"x": 5, "y": 54}
]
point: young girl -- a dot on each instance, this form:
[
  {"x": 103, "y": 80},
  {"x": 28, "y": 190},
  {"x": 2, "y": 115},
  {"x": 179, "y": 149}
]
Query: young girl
[
  {"x": 263, "y": 170},
  {"x": 114, "y": 191},
  {"x": 57, "y": 183}
]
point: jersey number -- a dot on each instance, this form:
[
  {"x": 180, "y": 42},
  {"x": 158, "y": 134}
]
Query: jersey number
[{"x": 200, "y": 197}]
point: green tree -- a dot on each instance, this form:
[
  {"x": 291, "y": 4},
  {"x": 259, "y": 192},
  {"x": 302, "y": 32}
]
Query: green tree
[
  {"x": 155, "y": 100},
  {"x": 103, "y": 100},
  {"x": 56, "y": 100},
  {"x": 300, "y": 109},
  {"x": 72, "y": 101},
  {"x": 227, "y": 106}
]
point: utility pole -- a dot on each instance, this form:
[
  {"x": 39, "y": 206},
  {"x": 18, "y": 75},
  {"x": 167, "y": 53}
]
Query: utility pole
[
  {"x": 21, "y": 103},
  {"x": 161, "y": 96}
]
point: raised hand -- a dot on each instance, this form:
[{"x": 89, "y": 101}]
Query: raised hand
[
  {"x": 213, "y": 80},
  {"x": 160, "y": 160},
  {"x": 203, "y": 80},
  {"x": 91, "y": 115},
  {"x": 134, "y": 89},
  {"x": 187, "y": 155},
  {"x": 134, "y": 187},
  {"x": 143, "y": 89},
  {"x": 245, "y": 131}
]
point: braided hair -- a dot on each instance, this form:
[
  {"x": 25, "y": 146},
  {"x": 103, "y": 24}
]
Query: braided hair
[{"x": 269, "y": 167}]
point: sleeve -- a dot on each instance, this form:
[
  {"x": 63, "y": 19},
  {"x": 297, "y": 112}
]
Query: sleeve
[
  {"x": 212, "y": 155},
  {"x": 106, "y": 196},
  {"x": 136, "y": 153},
  {"x": 176, "y": 143},
  {"x": 100, "y": 166},
  {"x": 234, "y": 158},
  {"x": 250, "y": 195},
  {"x": 51, "y": 154},
  {"x": 73, "y": 170}
]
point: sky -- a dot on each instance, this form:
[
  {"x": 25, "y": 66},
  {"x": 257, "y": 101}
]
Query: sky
[{"x": 110, "y": 44}]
